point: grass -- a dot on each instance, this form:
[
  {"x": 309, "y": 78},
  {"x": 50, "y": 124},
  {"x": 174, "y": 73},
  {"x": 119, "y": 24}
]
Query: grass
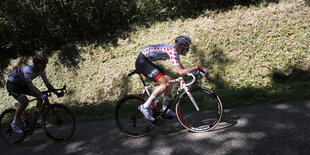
[{"x": 255, "y": 55}]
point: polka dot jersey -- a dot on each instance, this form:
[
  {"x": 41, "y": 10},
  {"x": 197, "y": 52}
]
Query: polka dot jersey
[{"x": 161, "y": 52}]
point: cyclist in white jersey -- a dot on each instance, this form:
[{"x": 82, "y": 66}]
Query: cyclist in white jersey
[
  {"x": 19, "y": 84},
  {"x": 163, "y": 52}
]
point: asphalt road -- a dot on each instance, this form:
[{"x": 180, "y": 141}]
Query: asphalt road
[{"x": 267, "y": 129}]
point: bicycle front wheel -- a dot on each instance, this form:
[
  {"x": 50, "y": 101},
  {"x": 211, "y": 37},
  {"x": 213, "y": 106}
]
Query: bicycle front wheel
[
  {"x": 59, "y": 122},
  {"x": 6, "y": 130},
  {"x": 208, "y": 114},
  {"x": 129, "y": 119}
]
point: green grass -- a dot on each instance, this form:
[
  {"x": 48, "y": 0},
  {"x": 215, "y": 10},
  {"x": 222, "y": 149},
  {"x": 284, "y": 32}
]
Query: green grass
[{"x": 255, "y": 55}]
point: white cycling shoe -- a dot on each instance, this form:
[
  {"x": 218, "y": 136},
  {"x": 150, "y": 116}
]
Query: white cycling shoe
[
  {"x": 147, "y": 113},
  {"x": 16, "y": 128},
  {"x": 169, "y": 112}
]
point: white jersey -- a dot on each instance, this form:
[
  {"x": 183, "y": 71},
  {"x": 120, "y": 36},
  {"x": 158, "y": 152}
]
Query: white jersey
[
  {"x": 24, "y": 73},
  {"x": 161, "y": 52}
]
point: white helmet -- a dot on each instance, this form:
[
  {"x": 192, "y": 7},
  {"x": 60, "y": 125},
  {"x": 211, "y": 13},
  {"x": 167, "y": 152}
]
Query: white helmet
[{"x": 183, "y": 40}]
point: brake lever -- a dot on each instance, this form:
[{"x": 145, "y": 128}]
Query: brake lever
[
  {"x": 64, "y": 89},
  {"x": 47, "y": 93}
]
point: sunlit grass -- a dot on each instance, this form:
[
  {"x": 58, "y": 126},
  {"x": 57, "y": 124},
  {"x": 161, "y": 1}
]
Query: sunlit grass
[{"x": 250, "y": 52}]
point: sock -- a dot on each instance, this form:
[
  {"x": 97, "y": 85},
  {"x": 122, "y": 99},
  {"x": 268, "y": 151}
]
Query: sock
[
  {"x": 37, "y": 111},
  {"x": 14, "y": 120},
  {"x": 149, "y": 101},
  {"x": 166, "y": 101}
]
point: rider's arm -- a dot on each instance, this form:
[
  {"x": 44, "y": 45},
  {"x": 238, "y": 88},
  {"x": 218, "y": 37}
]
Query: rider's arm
[
  {"x": 33, "y": 89},
  {"x": 183, "y": 71},
  {"x": 47, "y": 83}
]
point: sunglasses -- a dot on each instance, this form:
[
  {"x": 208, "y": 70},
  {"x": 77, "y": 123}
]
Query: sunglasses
[
  {"x": 186, "y": 47},
  {"x": 41, "y": 64}
]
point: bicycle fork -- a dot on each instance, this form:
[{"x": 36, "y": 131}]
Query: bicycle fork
[{"x": 191, "y": 98}]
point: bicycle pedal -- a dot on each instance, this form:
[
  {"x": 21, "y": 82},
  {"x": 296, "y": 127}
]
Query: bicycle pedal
[
  {"x": 168, "y": 117},
  {"x": 158, "y": 123},
  {"x": 165, "y": 116},
  {"x": 28, "y": 131},
  {"x": 38, "y": 126},
  {"x": 159, "y": 120}
]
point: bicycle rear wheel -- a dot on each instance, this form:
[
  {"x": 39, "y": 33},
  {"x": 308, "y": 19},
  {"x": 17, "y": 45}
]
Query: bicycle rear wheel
[
  {"x": 129, "y": 119},
  {"x": 209, "y": 114},
  {"x": 6, "y": 130},
  {"x": 59, "y": 122}
]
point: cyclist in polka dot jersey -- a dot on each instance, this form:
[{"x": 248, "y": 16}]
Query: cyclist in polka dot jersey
[{"x": 163, "y": 52}]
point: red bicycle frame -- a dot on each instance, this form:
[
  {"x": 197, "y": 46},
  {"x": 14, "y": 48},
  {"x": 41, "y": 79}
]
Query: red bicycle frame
[{"x": 45, "y": 105}]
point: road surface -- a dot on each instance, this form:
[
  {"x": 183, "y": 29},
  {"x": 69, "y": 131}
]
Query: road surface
[{"x": 266, "y": 129}]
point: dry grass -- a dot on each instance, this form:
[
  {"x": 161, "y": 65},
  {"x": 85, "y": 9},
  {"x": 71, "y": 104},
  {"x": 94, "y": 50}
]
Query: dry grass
[{"x": 243, "y": 46}]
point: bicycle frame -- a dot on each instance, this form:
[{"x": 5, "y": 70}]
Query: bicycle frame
[
  {"x": 45, "y": 105},
  {"x": 50, "y": 117},
  {"x": 183, "y": 86},
  {"x": 133, "y": 122}
]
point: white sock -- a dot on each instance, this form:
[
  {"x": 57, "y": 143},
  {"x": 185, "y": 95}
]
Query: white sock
[
  {"x": 166, "y": 101},
  {"x": 149, "y": 101},
  {"x": 14, "y": 120},
  {"x": 164, "y": 107}
]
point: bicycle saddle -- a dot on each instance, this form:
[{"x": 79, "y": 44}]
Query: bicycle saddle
[{"x": 132, "y": 72}]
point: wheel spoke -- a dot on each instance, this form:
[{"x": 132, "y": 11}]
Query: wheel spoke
[
  {"x": 6, "y": 130},
  {"x": 207, "y": 117},
  {"x": 129, "y": 119},
  {"x": 59, "y": 122}
]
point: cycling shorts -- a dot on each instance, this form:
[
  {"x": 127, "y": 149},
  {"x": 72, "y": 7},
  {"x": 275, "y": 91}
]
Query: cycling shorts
[
  {"x": 17, "y": 90},
  {"x": 148, "y": 69}
]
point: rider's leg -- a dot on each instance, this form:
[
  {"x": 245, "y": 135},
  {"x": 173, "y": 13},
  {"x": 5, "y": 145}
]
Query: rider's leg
[
  {"x": 163, "y": 84},
  {"x": 168, "y": 98},
  {"x": 39, "y": 103},
  {"x": 167, "y": 93},
  {"x": 23, "y": 100},
  {"x": 38, "y": 107},
  {"x": 169, "y": 88}
]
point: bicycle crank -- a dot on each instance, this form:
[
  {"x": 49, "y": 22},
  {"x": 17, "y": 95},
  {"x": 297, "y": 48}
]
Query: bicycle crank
[{"x": 160, "y": 120}]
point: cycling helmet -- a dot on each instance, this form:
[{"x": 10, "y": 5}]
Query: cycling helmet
[
  {"x": 39, "y": 59},
  {"x": 183, "y": 40}
]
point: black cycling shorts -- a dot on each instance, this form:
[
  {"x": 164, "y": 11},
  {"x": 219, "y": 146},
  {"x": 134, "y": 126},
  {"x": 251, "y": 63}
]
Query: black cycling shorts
[
  {"x": 16, "y": 90},
  {"x": 148, "y": 69}
]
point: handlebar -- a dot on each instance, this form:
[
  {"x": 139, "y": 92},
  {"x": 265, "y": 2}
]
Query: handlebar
[
  {"x": 132, "y": 72},
  {"x": 194, "y": 76},
  {"x": 193, "y": 80},
  {"x": 204, "y": 74},
  {"x": 60, "y": 92}
]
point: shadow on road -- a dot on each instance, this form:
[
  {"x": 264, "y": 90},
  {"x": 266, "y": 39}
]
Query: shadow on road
[{"x": 265, "y": 129}]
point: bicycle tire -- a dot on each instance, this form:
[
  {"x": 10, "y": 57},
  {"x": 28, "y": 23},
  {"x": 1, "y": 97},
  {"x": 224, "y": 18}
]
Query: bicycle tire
[
  {"x": 209, "y": 116},
  {"x": 6, "y": 132},
  {"x": 129, "y": 119},
  {"x": 58, "y": 122}
]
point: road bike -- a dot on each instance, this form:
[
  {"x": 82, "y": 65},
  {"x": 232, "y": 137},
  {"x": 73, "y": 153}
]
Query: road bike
[
  {"x": 57, "y": 121},
  {"x": 198, "y": 109}
]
